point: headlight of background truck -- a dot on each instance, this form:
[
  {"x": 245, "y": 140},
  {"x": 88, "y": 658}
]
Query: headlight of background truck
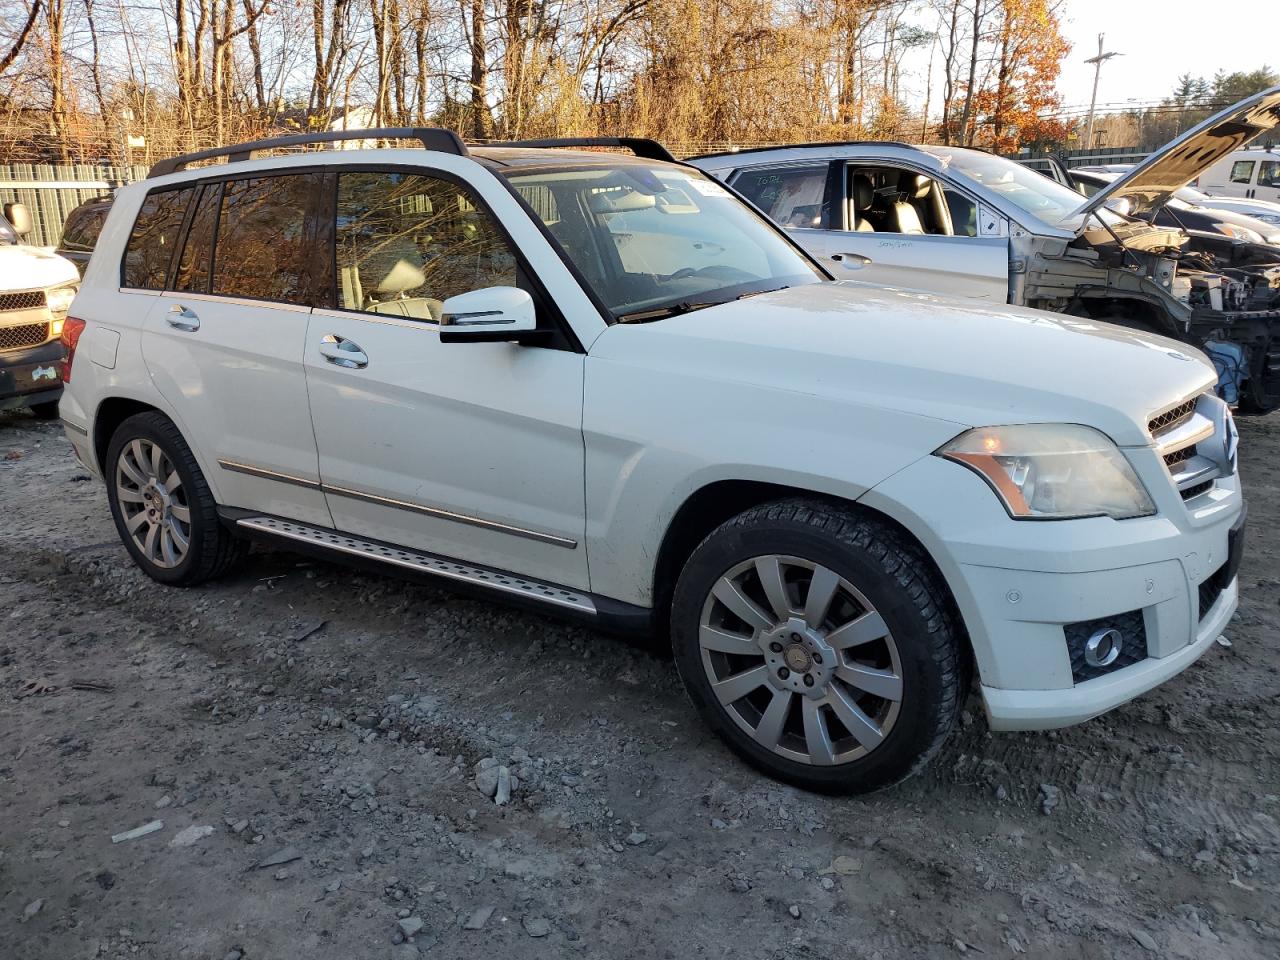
[
  {"x": 1052, "y": 471},
  {"x": 59, "y": 299}
]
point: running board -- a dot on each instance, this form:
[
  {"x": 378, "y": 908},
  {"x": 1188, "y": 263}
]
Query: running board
[{"x": 421, "y": 562}]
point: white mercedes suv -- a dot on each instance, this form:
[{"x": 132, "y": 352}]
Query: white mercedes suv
[{"x": 602, "y": 384}]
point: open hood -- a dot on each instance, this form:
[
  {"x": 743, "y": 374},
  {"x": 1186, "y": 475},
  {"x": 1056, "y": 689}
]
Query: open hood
[{"x": 1151, "y": 183}]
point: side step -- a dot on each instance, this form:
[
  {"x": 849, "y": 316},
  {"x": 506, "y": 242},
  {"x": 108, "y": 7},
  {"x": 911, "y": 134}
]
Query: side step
[{"x": 421, "y": 562}]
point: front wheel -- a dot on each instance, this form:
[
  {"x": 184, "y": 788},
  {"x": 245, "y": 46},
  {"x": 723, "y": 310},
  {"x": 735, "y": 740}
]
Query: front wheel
[
  {"x": 163, "y": 508},
  {"x": 818, "y": 642}
]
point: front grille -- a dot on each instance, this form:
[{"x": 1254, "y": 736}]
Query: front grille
[
  {"x": 1132, "y": 627},
  {"x": 1171, "y": 418},
  {"x": 26, "y": 335},
  {"x": 1211, "y": 589},
  {"x": 28, "y": 300},
  {"x": 1178, "y": 456}
]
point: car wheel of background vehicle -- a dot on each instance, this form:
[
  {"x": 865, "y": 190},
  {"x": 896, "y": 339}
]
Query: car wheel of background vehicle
[
  {"x": 45, "y": 411},
  {"x": 162, "y": 506},
  {"x": 819, "y": 643}
]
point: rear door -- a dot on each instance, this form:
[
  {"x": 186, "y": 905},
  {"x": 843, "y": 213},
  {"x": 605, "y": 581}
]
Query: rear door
[{"x": 224, "y": 341}]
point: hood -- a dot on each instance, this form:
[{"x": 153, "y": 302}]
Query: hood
[
  {"x": 33, "y": 268},
  {"x": 953, "y": 360},
  {"x": 1150, "y": 183}
]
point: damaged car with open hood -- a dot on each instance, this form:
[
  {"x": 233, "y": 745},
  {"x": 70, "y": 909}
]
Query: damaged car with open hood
[{"x": 965, "y": 222}]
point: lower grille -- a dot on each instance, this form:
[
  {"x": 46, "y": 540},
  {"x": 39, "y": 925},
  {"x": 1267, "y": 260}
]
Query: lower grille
[
  {"x": 1196, "y": 490},
  {"x": 1133, "y": 631},
  {"x": 1211, "y": 589},
  {"x": 26, "y": 335},
  {"x": 27, "y": 300}
]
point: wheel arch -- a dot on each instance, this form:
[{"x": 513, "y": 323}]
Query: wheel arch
[
  {"x": 116, "y": 409},
  {"x": 711, "y": 505}
]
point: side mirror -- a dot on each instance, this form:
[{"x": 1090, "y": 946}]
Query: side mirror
[
  {"x": 493, "y": 314},
  {"x": 19, "y": 217}
]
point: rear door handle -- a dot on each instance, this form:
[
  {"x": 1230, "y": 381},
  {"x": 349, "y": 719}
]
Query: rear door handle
[
  {"x": 182, "y": 318},
  {"x": 343, "y": 352},
  {"x": 852, "y": 261}
]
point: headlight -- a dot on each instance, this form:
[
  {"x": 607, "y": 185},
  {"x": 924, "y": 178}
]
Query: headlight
[
  {"x": 1052, "y": 471},
  {"x": 1266, "y": 217},
  {"x": 1240, "y": 233},
  {"x": 59, "y": 299}
]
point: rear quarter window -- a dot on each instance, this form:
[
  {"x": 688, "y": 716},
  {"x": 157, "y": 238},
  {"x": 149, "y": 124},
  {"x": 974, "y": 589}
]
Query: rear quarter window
[{"x": 155, "y": 233}]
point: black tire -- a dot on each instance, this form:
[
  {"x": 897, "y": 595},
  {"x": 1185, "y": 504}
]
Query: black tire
[
  {"x": 893, "y": 574},
  {"x": 212, "y": 552},
  {"x": 45, "y": 411}
]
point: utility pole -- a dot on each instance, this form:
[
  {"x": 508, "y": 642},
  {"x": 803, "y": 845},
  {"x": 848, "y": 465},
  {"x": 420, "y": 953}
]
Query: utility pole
[{"x": 1097, "y": 62}]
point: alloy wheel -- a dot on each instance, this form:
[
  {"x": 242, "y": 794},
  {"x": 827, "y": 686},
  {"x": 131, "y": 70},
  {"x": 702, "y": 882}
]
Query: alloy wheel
[
  {"x": 800, "y": 660},
  {"x": 153, "y": 503}
]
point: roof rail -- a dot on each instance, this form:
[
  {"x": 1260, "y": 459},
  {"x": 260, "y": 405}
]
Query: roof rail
[
  {"x": 799, "y": 146},
  {"x": 640, "y": 146},
  {"x": 431, "y": 138}
]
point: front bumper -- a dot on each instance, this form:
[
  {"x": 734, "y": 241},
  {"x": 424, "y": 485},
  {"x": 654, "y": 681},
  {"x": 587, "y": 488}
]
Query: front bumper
[
  {"x": 1019, "y": 585},
  {"x": 31, "y": 375}
]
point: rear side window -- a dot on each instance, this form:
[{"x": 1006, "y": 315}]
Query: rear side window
[
  {"x": 155, "y": 232},
  {"x": 1242, "y": 171},
  {"x": 791, "y": 196},
  {"x": 267, "y": 246},
  {"x": 192, "y": 275}
]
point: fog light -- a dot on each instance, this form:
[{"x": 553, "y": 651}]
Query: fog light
[{"x": 1103, "y": 648}]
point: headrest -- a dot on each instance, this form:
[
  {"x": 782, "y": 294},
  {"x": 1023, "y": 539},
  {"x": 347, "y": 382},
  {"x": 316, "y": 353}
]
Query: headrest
[
  {"x": 915, "y": 185},
  {"x": 401, "y": 277},
  {"x": 863, "y": 192}
]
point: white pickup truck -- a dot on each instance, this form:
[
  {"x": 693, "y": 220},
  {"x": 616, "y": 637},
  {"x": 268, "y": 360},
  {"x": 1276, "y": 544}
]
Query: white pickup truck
[{"x": 36, "y": 288}]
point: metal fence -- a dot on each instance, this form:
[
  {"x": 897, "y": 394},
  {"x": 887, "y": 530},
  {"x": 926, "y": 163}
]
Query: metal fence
[
  {"x": 1084, "y": 158},
  {"x": 53, "y": 191}
]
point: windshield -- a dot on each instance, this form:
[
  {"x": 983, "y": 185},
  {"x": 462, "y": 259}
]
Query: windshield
[
  {"x": 1025, "y": 188},
  {"x": 656, "y": 241}
]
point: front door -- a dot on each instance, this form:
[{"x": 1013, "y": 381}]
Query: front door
[
  {"x": 902, "y": 228},
  {"x": 225, "y": 338},
  {"x": 472, "y": 451}
]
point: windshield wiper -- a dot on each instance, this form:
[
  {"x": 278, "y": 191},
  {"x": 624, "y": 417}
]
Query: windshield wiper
[
  {"x": 756, "y": 293},
  {"x": 673, "y": 310}
]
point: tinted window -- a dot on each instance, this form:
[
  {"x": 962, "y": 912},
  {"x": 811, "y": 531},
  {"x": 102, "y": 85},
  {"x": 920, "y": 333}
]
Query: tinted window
[
  {"x": 266, "y": 248},
  {"x": 791, "y": 196},
  {"x": 1242, "y": 171},
  {"x": 150, "y": 247},
  {"x": 964, "y": 214},
  {"x": 192, "y": 274},
  {"x": 82, "y": 228},
  {"x": 1269, "y": 173},
  {"x": 406, "y": 243}
]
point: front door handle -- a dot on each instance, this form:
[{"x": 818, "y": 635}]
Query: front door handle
[
  {"x": 851, "y": 261},
  {"x": 343, "y": 352},
  {"x": 182, "y": 318}
]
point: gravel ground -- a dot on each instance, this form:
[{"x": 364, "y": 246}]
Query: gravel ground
[{"x": 311, "y": 739}]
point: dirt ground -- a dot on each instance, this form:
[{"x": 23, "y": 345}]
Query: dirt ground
[{"x": 325, "y": 726}]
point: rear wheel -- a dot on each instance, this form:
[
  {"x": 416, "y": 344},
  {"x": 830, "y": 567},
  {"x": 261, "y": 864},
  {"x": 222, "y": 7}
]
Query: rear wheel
[
  {"x": 817, "y": 642},
  {"x": 162, "y": 506}
]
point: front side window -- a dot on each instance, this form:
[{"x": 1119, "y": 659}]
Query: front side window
[
  {"x": 1242, "y": 171},
  {"x": 266, "y": 247},
  {"x": 407, "y": 242},
  {"x": 652, "y": 241},
  {"x": 790, "y": 196},
  {"x": 1269, "y": 173},
  {"x": 150, "y": 248}
]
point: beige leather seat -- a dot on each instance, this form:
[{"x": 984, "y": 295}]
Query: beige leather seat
[
  {"x": 400, "y": 274},
  {"x": 864, "y": 196},
  {"x": 903, "y": 215}
]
